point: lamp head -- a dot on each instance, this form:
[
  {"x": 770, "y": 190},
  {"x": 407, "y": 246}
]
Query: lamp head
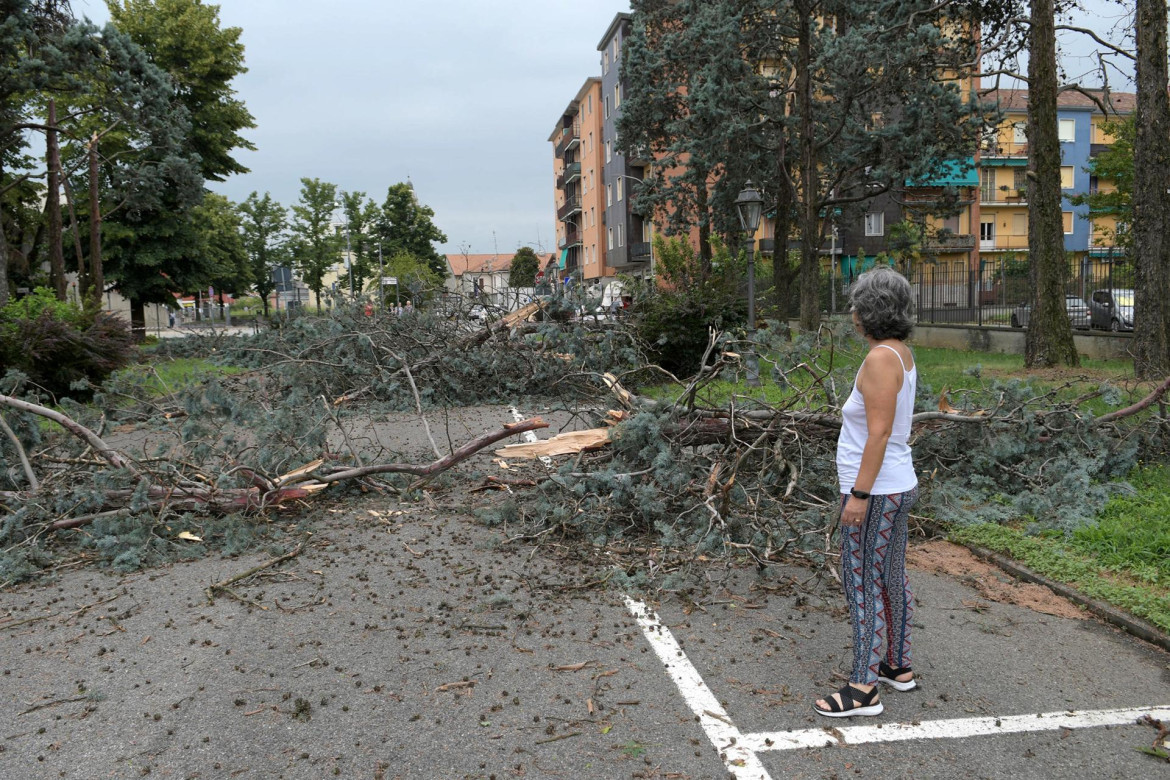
[{"x": 749, "y": 205}]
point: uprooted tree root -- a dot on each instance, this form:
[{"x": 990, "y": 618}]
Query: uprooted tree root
[{"x": 674, "y": 480}]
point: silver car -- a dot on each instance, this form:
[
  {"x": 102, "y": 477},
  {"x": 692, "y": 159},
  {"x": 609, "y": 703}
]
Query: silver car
[
  {"x": 1111, "y": 309},
  {"x": 1077, "y": 309}
]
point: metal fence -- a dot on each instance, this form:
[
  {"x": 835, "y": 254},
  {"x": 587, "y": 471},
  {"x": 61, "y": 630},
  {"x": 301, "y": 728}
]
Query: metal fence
[{"x": 999, "y": 288}]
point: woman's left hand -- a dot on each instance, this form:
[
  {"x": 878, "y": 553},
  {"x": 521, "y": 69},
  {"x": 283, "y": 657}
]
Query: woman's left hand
[{"x": 854, "y": 511}]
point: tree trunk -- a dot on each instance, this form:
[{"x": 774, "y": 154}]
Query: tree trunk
[
  {"x": 1151, "y": 195},
  {"x": 1048, "y": 340},
  {"x": 138, "y": 320},
  {"x": 76, "y": 230},
  {"x": 3, "y": 251},
  {"x": 782, "y": 270},
  {"x": 53, "y": 205},
  {"x": 96, "y": 277},
  {"x": 810, "y": 272}
]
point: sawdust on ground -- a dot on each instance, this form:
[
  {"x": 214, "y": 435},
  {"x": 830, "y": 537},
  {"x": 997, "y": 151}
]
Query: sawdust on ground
[{"x": 941, "y": 557}]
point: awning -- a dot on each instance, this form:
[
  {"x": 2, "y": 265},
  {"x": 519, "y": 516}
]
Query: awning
[
  {"x": 952, "y": 173},
  {"x": 564, "y": 258}
]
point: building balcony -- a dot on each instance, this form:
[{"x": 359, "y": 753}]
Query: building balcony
[
  {"x": 950, "y": 242},
  {"x": 1004, "y": 149},
  {"x": 572, "y": 238},
  {"x": 640, "y": 252},
  {"x": 571, "y": 173},
  {"x": 1001, "y": 198},
  {"x": 572, "y": 206},
  {"x": 570, "y": 138},
  {"x": 1003, "y": 243},
  {"x": 767, "y": 246},
  {"x": 1096, "y": 149}
]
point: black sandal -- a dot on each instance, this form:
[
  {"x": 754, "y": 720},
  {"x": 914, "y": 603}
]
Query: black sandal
[
  {"x": 889, "y": 675},
  {"x": 852, "y": 702}
]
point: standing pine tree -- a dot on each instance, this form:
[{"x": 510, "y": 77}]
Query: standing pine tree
[
  {"x": 1049, "y": 337},
  {"x": 525, "y": 265},
  {"x": 1151, "y": 195}
]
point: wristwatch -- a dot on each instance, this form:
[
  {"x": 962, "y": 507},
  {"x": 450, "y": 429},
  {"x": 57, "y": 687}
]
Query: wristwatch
[{"x": 859, "y": 493}]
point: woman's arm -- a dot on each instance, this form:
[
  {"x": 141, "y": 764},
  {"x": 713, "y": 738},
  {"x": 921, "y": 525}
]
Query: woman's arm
[{"x": 879, "y": 381}]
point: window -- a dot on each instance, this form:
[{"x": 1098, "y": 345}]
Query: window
[
  {"x": 1019, "y": 179},
  {"x": 610, "y": 233},
  {"x": 617, "y": 95},
  {"x": 1020, "y": 224},
  {"x": 589, "y": 103},
  {"x": 607, "y": 106},
  {"x": 609, "y": 195},
  {"x": 875, "y": 224},
  {"x": 1020, "y": 133},
  {"x": 608, "y": 151},
  {"x": 592, "y": 216},
  {"x": 605, "y": 62},
  {"x": 1094, "y": 184},
  {"x": 986, "y": 184},
  {"x": 619, "y": 234},
  {"x": 591, "y": 142},
  {"x": 1068, "y": 130},
  {"x": 619, "y": 189},
  {"x": 1066, "y": 177},
  {"x": 1068, "y": 222},
  {"x": 987, "y": 231}
]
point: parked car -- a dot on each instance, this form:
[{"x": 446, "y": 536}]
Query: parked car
[
  {"x": 1078, "y": 313},
  {"x": 1111, "y": 309}
]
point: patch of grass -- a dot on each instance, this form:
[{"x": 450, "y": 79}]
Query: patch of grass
[
  {"x": 1133, "y": 533},
  {"x": 162, "y": 377},
  {"x": 1065, "y": 562}
]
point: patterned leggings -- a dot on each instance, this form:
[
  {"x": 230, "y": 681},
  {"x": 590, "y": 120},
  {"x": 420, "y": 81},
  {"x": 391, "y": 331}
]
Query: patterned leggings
[{"x": 873, "y": 570}]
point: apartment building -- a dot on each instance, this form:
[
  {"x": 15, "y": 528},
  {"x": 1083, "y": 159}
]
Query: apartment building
[
  {"x": 627, "y": 232},
  {"x": 1003, "y": 207},
  {"x": 578, "y": 168}
]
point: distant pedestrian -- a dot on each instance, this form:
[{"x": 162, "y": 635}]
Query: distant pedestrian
[
  {"x": 171, "y": 318},
  {"x": 878, "y": 487}
]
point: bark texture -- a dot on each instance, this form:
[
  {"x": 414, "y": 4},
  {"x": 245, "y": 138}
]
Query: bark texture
[
  {"x": 1049, "y": 339},
  {"x": 1151, "y": 195}
]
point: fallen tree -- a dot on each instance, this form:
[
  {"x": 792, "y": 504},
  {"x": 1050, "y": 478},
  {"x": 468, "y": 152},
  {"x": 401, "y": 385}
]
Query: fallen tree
[{"x": 696, "y": 469}]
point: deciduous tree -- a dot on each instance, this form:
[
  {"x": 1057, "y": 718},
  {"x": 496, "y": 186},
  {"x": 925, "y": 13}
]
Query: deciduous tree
[
  {"x": 525, "y": 265},
  {"x": 315, "y": 246},
  {"x": 264, "y": 225},
  {"x": 405, "y": 225}
]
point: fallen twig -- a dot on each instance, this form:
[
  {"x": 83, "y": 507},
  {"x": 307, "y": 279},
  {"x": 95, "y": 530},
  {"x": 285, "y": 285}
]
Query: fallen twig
[{"x": 225, "y": 584}]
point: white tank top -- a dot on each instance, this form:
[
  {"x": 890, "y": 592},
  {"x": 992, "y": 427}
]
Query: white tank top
[{"x": 897, "y": 471}]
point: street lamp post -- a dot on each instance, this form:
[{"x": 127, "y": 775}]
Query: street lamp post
[{"x": 750, "y": 205}]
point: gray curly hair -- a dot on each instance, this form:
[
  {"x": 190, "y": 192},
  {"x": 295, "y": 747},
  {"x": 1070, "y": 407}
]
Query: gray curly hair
[{"x": 882, "y": 300}]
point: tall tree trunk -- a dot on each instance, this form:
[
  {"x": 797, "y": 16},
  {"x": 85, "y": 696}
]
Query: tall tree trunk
[
  {"x": 3, "y": 251},
  {"x": 810, "y": 271},
  {"x": 1151, "y": 195},
  {"x": 138, "y": 320},
  {"x": 96, "y": 275},
  {"x": 82, "y": 277},
  {"x": 53, "y": 205},
  {"x": 1049, "y": 339},
  {"x": 782, "y": 270}
]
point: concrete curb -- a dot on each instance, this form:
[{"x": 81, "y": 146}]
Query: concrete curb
[{"x": 1110, "y": 614}]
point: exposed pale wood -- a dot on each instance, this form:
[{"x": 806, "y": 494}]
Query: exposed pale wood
[{"x": 568, "y": 443}]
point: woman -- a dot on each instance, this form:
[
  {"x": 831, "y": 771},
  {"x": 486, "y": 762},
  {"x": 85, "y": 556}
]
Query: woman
[{"x": 878, "y": 487}]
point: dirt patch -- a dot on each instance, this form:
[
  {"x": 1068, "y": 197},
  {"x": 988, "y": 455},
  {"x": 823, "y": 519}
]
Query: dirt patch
[{"x": 939, "y": 557}]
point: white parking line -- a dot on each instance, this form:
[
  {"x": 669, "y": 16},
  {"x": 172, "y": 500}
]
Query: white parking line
[
  {"x": 727, "y": 739},
  {"x": 949, "y": 729},
  {"x": 739, "y": 750}
]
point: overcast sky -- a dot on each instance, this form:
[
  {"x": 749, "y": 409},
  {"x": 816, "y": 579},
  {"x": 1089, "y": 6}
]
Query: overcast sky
[{"x": 458, "y": 95}]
